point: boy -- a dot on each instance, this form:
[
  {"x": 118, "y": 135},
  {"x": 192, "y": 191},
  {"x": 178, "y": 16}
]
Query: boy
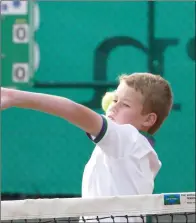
[{"x": 123, "y": 161}]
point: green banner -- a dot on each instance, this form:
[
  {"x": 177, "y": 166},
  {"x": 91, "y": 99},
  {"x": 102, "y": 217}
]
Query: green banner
[{"x": 90, "y": 42}]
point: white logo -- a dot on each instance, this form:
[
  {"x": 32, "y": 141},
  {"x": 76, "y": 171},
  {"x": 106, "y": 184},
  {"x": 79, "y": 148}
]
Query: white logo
[{"x": 15, "y": 7}]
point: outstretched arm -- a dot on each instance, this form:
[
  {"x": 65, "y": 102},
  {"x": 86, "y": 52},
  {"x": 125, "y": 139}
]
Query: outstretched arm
[{"x": 74, "y": 113}]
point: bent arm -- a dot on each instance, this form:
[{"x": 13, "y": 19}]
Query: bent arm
[{"x": 75, "y": 113}]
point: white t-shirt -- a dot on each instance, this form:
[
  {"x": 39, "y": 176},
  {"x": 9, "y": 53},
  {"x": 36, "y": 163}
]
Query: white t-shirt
[{"x": 122, "y": 163}]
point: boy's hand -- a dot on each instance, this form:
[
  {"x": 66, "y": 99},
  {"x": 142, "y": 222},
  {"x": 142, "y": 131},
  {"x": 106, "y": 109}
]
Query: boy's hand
[{"x": 7, "y": 98}]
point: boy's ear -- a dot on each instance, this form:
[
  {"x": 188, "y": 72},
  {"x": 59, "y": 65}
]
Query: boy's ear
[{"x": 150, "y": 120}]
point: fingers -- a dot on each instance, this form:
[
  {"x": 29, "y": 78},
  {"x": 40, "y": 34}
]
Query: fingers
[{"x": 5, "y": 98}]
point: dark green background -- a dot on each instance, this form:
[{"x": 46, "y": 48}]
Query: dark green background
[{"x": 42, "y": 154}]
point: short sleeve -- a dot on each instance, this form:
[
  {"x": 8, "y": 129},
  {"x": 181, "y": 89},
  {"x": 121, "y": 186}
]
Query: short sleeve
[{"x": 116, "y": 140}]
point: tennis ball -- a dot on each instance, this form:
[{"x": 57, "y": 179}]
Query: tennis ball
[{"x": 107, "y": 100}]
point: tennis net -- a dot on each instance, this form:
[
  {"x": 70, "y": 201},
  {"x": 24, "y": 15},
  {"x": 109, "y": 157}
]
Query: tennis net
[{"x": 140, "y": 208}]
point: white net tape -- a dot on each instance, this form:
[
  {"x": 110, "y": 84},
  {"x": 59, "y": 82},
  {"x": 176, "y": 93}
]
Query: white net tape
[{"x": 106, "y": 207}]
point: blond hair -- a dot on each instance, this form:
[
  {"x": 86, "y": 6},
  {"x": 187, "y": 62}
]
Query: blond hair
[{"x": 156, "y": 92}]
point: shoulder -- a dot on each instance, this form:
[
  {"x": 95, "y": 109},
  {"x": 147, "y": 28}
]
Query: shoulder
[
  {"x": 125, "y": 132},
  {"x": 142, "y": 147},
  {"x": 145, "y": 153},
  {"x": 111, "y": 129},
  {"x": 116, "y": 140}
]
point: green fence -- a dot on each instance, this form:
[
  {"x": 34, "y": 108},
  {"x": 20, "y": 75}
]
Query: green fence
[{"x": 91, "y": 42}]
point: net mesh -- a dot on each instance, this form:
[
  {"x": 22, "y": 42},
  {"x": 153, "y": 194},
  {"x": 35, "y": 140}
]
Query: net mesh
[{"x": 140, "y": 208}]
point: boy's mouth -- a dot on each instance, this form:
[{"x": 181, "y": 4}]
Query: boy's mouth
[{"x": 110, "y": 117}]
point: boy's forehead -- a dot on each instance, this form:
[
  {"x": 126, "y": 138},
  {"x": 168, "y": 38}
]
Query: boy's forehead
[
  {"x": 125, "y": 91},
  {"x": 123, "y": 88}
]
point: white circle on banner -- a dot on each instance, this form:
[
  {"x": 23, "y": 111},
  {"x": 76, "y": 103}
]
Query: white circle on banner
[
  {"x": 36, "y": 17},
  {"x": 36, "y": 56}
]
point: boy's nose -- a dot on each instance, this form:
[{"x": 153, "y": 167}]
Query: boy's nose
[{"x": 115, "y": 108}]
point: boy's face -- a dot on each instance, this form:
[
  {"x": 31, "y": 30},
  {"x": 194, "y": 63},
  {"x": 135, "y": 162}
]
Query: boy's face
[{"x": 127, "y": 107}]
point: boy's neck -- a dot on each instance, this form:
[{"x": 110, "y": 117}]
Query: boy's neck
[
  {"x": 145, "y": 133},
  {"x": 150, "y": 137}
]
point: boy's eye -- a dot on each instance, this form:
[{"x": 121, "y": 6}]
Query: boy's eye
[
  {"x": 115, "y": 101},
  {"x": 126, "y": 105}
]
